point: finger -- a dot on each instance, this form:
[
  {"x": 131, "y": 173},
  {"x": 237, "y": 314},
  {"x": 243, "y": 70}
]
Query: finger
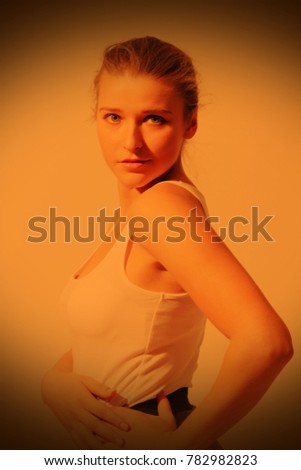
[
  {"x": 84, "y": 438},
  {"x": 102, "y": 430},
  {"x": 117, "y": 400},
  {"x": 76, "y": 439},
  {"x": 109, "y": 446},
  {"x": 107, "y": 434},
  {"x": 105, "y": 412},
  {"x": 165, "y": 411},
  {"x": 97, "y": 388}
]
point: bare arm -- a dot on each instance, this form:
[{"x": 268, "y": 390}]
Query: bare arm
[
  {"x": 65, "y": 363},
  {"x": 259, "y": 342},
  {"x": 245, "y": 375},
  {"x": 79, "y": 402}
]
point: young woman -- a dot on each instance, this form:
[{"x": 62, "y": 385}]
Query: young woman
[{"x": 138, "y": 306}]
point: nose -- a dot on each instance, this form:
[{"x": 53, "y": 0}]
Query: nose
[{"x": 133, "y": 139}]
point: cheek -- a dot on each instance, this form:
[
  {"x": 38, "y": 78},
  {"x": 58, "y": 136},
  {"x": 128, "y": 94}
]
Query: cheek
[
  {"x": 169, "y": 152},
  {"x": 169, "y": 145}
]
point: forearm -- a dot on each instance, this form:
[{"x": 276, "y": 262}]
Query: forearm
[
  {"x": 245, "y": 376},
  {"x": 63, "y": 365}
]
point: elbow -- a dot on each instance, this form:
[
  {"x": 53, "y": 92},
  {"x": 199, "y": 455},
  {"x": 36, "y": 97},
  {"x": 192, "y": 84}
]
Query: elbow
[
  {"x": 271, "y": 346},
  {"x": 280, "y": 348},
  {"x": 286, "y": 351}
]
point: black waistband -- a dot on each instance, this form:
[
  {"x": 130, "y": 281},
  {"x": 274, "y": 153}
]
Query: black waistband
[{"x": 178, "y": 401}]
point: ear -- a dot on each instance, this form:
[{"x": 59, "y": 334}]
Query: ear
[{"x": 191, "y": 125}]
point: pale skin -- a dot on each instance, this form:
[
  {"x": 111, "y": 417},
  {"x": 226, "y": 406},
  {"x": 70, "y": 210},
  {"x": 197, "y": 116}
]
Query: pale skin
[{"x": 142, "y": 118}]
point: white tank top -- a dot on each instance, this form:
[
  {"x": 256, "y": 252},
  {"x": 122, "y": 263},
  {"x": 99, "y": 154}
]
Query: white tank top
[{"x": 136, "y": 341}]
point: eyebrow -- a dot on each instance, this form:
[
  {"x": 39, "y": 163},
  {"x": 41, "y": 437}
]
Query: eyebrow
[
  {"x": 157, "y": 111},
  {"x": 146, "y": 111},
  {"x": 111, "y": 110}
]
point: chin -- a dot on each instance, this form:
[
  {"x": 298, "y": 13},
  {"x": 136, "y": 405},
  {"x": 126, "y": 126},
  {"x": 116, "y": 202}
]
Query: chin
[
  {"x": 137, "y": 181},
  {"x": 143, "y": 181}
]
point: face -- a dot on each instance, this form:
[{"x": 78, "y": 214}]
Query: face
[{"x": 141, "y": 127}]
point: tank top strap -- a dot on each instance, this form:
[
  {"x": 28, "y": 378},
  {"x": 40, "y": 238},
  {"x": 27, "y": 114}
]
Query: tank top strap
[{"x": 192, "y": 189}]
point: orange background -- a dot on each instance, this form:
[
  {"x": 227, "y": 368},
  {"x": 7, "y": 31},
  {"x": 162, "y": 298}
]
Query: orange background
[{"x": 247, "y": 152}]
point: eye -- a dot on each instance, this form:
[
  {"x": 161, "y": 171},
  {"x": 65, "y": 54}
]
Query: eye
[
  {"x": 157, "y": 120},
  {"x": 112, "y": 118}
]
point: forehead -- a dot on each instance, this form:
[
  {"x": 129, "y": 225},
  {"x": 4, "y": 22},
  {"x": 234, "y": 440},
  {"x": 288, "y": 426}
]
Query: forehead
[{"x": 127, "y": 90}]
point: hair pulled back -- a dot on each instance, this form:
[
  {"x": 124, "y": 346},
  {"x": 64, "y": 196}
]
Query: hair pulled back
[{"x": 151, "y": 56}]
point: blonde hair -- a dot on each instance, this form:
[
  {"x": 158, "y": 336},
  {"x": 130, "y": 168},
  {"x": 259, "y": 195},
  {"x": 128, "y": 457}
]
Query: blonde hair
[{"x": 151, "y": 56}]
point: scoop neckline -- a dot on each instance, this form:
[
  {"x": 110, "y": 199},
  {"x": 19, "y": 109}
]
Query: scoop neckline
[
  {"x": 143, "y": 290},
  {"x": 130, "y": 283}
]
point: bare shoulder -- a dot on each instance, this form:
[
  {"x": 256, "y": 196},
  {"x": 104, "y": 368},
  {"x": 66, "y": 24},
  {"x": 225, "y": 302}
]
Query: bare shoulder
[{"x": 166, "y": 198}]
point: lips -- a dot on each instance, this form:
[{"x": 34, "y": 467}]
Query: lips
[
  {"x": 133, "y": 164},
  {"x": 134, "y": 160}
]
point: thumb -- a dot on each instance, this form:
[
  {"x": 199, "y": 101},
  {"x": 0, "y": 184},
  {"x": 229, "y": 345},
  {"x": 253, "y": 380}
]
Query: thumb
[{"x": 165, "y": 411}]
